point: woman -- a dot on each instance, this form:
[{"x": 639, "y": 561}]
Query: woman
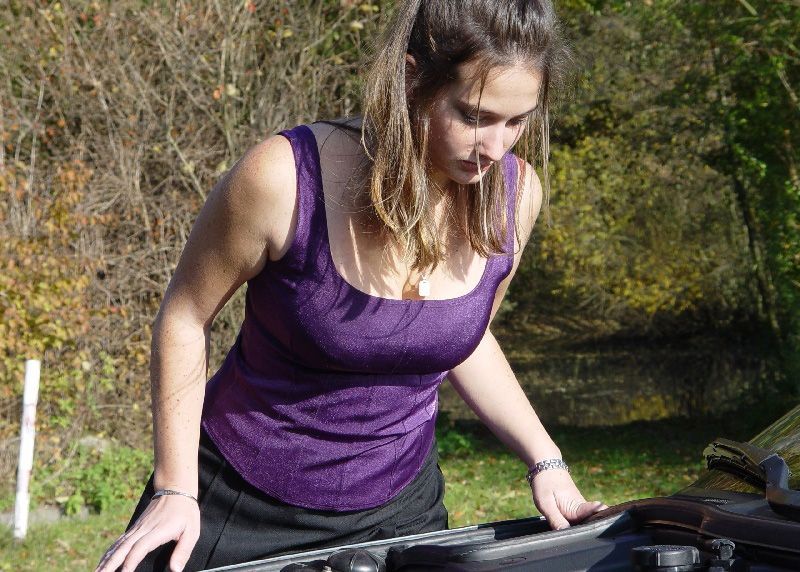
[{"x": 376, "y": 252}]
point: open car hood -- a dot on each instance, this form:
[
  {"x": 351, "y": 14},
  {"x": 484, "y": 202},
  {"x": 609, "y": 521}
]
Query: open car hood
[{"x": 781, "y": 437}]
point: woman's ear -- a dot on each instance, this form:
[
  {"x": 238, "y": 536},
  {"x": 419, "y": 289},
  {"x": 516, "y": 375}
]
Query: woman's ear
[{"x": 411, "y": 73}]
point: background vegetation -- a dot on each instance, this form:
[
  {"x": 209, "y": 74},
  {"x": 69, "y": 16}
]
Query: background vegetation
[{"x": 676, "y": 191}]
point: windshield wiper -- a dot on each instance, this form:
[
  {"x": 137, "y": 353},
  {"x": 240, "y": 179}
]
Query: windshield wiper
[{"x": 759, "y": 467}]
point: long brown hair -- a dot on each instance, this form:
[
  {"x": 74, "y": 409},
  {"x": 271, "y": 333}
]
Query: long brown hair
[{"x": 441, "y": 35}]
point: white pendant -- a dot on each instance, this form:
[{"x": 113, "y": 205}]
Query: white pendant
[{"x": 424, "y": 287}]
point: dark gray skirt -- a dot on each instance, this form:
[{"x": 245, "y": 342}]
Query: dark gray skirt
[{"x": 239, "y": 523}]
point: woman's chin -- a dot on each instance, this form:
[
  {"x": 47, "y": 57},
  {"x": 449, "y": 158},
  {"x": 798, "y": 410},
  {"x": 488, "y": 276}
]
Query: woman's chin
[
  {"x": 459, "y": 174},
  {"x": 467, "y": 178}
]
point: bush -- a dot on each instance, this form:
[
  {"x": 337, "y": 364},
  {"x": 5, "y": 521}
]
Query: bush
[{"x": 96, "y": 479}]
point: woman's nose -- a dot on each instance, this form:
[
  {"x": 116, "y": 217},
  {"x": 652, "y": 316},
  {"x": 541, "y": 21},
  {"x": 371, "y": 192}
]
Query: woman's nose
[{"x": 492, "y": 143}]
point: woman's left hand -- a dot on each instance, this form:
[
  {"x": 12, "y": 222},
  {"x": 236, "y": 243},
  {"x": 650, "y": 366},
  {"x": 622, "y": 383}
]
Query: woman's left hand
[{"x": 560, "y": 501}]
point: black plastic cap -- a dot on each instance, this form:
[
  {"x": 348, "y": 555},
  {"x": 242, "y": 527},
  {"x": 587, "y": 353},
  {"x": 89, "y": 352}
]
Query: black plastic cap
[{"x": 665, "y": 558}]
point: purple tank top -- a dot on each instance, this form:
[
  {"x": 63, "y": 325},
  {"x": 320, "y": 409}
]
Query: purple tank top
[{"x": 328, "y": 398}]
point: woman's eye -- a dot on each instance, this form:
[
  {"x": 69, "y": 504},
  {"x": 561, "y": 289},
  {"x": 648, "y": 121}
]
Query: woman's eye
[
  {"x": 519, "y": 121},
  {"x": 469, "y": 118}
]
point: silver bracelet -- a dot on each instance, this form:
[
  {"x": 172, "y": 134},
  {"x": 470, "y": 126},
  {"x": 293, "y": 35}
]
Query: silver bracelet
[
  {"x": 170, "y": 492},
  {"x": 545, "y": 465}
]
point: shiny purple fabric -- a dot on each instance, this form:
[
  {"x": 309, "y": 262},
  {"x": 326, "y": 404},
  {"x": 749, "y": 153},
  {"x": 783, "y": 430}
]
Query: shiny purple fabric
[{"x": 328, "y": 398}]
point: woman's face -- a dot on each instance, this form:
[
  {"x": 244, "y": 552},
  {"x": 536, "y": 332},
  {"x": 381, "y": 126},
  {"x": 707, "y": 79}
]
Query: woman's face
[{"x": 463, "y": 136}]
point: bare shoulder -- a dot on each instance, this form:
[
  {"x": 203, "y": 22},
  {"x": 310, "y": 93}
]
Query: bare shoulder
[
  {"x": 260, "y": 193},
  {"x": 242, "y": 224},
  {"x": 530, "y": 201},
  {"x": 267, "y": 164}
]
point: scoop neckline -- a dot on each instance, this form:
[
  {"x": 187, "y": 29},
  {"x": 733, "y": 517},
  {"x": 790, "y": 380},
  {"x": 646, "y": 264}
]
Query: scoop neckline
[{"x": 319, "y": 195}]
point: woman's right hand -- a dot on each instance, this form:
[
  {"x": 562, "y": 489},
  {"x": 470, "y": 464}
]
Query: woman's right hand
[{"x": 166, "y": 518}]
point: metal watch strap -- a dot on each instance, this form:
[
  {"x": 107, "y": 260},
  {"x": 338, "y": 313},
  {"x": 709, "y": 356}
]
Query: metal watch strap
[{"x": 545, "y": 465}]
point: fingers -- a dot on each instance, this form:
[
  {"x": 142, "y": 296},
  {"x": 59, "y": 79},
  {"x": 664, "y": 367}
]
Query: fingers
[
  {"x": 128, "y": 551},
  {"x": 116, "y": 553},
  {"x": 561, "y": 515},
  {"x": 560, "y": 501},
  {"x": 158, "y": 525},
  {"x": 131, "y": 549},
  {"x": 144, "y": 546},
  {"x": 585, "y": 510},
  {"x": 183, "y": 549},
  {"x": 548, "y": 506}
]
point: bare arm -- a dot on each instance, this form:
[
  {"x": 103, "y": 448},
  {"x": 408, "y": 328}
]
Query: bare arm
[
  {"x": 232, "y": 238},
  {"x": 487, "y": 384},
  {"x": 501, "y": 404},
  {"x": 246, "y": 220}
]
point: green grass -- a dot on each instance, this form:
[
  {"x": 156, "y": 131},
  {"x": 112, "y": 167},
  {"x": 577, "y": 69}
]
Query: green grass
[{"x": 70, "y": 544}]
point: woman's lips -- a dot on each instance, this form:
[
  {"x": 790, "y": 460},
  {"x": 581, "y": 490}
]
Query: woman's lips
[{"x": 473, "y": 167}]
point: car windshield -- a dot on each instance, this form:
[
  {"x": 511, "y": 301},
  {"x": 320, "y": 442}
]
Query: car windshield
[{"x": 782, "y": 437}]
